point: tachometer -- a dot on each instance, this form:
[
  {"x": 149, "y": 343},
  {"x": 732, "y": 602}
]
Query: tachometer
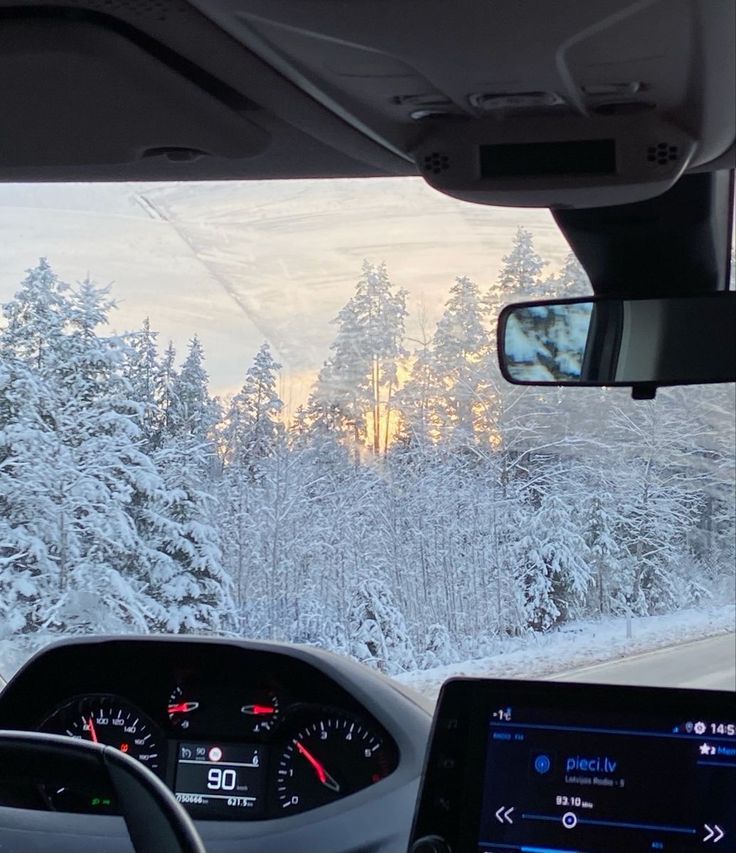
[
  {"x": 112, "y": 721},
  {"x": 329, "y": 759}
]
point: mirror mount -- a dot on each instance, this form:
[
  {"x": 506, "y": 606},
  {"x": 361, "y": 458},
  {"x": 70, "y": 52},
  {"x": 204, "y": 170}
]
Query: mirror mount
[{"x": 644, "y": 391}]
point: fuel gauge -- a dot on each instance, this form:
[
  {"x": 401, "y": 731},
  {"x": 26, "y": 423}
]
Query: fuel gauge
[
  {"x": 261, "y": 711},
  {"x": 180, "y": 708}
]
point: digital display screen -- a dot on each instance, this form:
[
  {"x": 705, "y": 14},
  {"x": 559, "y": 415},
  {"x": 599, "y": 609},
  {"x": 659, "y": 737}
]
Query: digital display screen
[
  {"x": 220, "y": 780},
  {"x": 581, "y": 782},
  {"x": 541, "y": 159}
]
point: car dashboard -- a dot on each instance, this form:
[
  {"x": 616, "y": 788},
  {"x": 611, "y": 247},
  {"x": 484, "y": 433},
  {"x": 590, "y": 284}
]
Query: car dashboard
[{"x": 255, "y": 740}]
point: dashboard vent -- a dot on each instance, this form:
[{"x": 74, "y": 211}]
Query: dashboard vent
[
  {"x": 662, "y": 153},
  {"x": 436, "y": 163}
]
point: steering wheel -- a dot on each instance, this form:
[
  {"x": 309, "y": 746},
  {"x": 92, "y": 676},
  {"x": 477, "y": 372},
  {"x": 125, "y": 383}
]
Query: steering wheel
[{"x": 156, "y": 822}]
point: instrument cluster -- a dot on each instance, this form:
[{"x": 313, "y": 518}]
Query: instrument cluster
[{"x": 268, "y": 739}]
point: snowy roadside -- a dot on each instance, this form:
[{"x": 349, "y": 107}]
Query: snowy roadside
[
  {"x": 537, "y": 655},
  {"x": 580, "y": 644}
]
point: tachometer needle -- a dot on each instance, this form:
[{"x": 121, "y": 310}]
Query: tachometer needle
[
  {"x": 92, "y": 732},
  {"x": 323, "y": 776}
]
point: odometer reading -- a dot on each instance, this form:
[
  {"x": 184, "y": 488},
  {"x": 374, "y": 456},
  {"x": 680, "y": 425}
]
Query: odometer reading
[
  {"x": 329, "y": 759},
  {"x": 110, "y": 721},
  {"x": 220, "y": 780}
]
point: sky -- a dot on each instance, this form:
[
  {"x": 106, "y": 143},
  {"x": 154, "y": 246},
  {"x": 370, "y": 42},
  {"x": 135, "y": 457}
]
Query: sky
[{"x": 238, "y": 263}]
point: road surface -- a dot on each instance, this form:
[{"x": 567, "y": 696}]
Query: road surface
[{"x": 709, "y": 664}]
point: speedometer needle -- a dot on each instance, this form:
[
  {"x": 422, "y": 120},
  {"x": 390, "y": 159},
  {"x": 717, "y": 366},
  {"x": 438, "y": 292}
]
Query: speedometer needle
[
  {"x": 323, "y": 776},
  {"x": 91, "y": 727}
]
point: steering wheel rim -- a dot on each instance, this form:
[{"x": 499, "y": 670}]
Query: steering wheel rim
[{"x": 156, "y": 822}]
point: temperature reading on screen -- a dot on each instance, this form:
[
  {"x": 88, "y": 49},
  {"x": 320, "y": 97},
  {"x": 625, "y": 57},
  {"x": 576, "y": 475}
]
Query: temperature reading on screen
[{"x": 503, "y": 714}]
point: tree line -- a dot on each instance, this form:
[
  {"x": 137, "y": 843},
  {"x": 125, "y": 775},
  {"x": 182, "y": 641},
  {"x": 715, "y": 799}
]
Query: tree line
[{"x": 415, "y": 509}]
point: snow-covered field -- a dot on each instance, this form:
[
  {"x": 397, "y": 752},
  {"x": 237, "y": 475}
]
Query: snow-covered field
[{"x": 580, "y": 644}]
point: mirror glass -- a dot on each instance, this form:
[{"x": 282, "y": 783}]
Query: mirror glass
[{"x": 606, "y": 341}]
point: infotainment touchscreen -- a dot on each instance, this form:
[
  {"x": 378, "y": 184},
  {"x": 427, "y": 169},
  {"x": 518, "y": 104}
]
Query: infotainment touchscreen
[{"x": 558, "y": 768}]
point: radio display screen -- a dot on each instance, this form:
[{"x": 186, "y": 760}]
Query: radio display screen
[
  {"x": 557, "y": 767},
  {"x": 221, "y": 780},
  {"x": 577, "y": 781}
]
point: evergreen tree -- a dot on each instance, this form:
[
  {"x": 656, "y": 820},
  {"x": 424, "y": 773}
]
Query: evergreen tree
[
  {"x": 250, "y": 489},
  {"x": 144, "y": 375},
  {"x": 462, "y": 390},
  {"x": 72, "y": 469},
  {"x": 521, "y": 274},
  {"x": 572, "y": 280},
  {"x": 195, "y": 591},
  {"x": 355, "y": 387},
  {"x": 192, "y": 413},
  {"x": 36, "y": 317},
  {"x": 438, "y": 648},
  {"x": 377, "y": 630},
  {"x": 166, "y": 402},
  {"x": 252, "y": 426},
  {"x": 417, "y": 419}
]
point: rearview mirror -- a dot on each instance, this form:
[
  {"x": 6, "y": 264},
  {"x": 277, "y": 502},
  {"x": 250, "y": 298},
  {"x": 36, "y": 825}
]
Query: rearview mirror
[{"x": 607, "y": 341}]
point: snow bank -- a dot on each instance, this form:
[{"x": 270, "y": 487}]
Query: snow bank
[{"x": 580, "y": 644}]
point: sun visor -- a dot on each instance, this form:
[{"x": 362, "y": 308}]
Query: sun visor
[{"x": 105, "y": 94}]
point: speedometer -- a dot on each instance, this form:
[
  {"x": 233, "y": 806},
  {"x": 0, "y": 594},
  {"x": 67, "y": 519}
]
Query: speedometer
[
  {"x": 328, "y": 759},
  {"x": 112, "y": 721}
]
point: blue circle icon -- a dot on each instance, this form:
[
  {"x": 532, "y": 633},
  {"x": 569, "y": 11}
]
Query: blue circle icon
[{"x": 542, "y": 764}]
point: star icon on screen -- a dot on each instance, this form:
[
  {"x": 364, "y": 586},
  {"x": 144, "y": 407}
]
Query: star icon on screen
[{"x": 705, "y": 749}]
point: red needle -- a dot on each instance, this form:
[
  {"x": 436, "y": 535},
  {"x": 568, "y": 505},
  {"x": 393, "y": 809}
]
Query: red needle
[
  {"x": 321, "y": 772},
  {"x": 183, "y": 707},
  {"x": 323, "y": 776},
  {"x": 91, "y": 727},
  {"x": 259, "y": 710}
]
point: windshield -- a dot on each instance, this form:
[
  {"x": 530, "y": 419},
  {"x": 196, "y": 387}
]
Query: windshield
[{"x": 273, "y": 410}]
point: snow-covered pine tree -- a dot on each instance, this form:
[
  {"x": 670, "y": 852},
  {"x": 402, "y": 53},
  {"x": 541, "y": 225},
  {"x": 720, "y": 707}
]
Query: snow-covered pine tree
[
  {"x": 196, "y": 591},
  {"x": 417, "y": 428},
  {"x": 166, "y": 403},
  {"x": 355, "y": 387},
  {"x": 462, "y": 393},
  {"x": 438, "y": 647},
  {"x": 376, "y": 628},
  {"x": 251, "y": 491},
  {"x": 72, "y": 469},
  {"x": 193, "y": 413},
  {"x": 521, "y": 274},
  {"x": 572, "y": 280},
  {"x": 252, "y": 426},
  {"x": 145, "y": 377}
]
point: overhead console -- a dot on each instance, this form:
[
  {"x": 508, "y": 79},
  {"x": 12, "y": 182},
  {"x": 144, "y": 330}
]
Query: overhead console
[
  {"x": 587, "y": 104},
  {"x": 627, "y": 158},
  {"x": 541, "y": 767}
]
